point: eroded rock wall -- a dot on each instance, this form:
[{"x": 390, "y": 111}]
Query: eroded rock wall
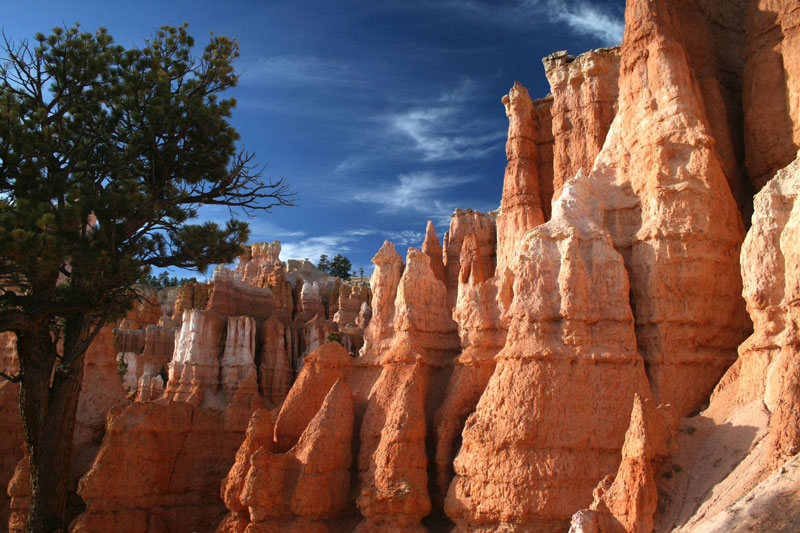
[
  {"x": 464, "y": 222},
  {"x": 771, "y": 87},
  {"x": 569, "y": 333},
  {"x": 584, "y": 93},
  {"x": 670, "y": 212},
  {"x": 159, "y": 468},
  {"x": 750, "y": 427}
]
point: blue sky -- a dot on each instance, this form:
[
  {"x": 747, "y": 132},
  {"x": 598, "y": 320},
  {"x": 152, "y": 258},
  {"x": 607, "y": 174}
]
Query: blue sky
[{"x": 380, "y": 114}]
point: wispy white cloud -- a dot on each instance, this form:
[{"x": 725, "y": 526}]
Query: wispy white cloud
[
  {"x": 584, "y": 16},
  {"x": 264, "y": 230},
  {"x": 405, "y": 237},
  {"x": 299, "y": 70},
  {"x": 443, "y": 130},
  {"x": 419, "y": 192},
  {"x": 330, "y": 245}
]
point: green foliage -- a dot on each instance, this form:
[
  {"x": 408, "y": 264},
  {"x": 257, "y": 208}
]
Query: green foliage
[
  {"x": 164, "y": 280},
  {"x": 324, "y": 264},
  {"x": 137, "y": 139},
  {"x": 333, "y": 337},
  {"x": 339, "y": 266},
  {"x": 122, "y": 367}
]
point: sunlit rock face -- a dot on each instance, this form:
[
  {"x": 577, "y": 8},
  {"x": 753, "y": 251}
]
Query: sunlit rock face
[
  {"x": 293, "y": 471},
  {"x": 521, "y": 206},
  {"x": 643, "y": 214},
  {"x": 671, "y": 214},
  {"x": 384, "y": 281},
  {"x": 159, "y": 468},
  {"x": 771, "y": 273},
  {"x": 584, "y": 93},
  {"x": 571, "y": 331},
  {"x": 392, "y": 460},
  {"x": 482, "y": 329},
  {"x": 740, "y": 443},
  {"x": 226, "y": 349},
  {"x": 465, "y": 222}
]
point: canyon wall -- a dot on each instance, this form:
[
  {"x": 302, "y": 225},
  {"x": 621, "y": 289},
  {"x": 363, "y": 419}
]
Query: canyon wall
[{"x": 237, "y": 344}]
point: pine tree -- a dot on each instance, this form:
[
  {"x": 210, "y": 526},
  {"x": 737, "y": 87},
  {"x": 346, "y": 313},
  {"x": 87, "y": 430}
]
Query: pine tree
[
  {"x": 323, "y": 264},
  {"x": 106, "y": 154},
  {"x": 340, "y": 266}
]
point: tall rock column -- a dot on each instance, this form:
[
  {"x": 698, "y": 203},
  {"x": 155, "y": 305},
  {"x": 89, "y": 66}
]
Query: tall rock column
[
  {"x": 433, "y": 249},
  {"x": 237, "y": 366},
  {"x": 671, "y": 214},
  {"x": 392, "y": 461},
  {"x": 482, "y": 330},
  {"x": 521, "y": 205},
  {"x": 584, "y": 93},
  {"x": 384, "y": 281},
  {"x": 771, "y": 273},
  {"x": 195, "y": 366}
]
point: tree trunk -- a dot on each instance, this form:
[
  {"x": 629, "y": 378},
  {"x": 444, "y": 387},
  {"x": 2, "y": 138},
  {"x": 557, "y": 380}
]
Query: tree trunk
[{"x": 48, "y": 408}]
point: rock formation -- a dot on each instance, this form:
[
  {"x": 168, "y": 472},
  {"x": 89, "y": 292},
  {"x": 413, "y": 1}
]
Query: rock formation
[
  {"x": 670, "y": 213},
  {"x": 433, "y": 249},
  {"x": 159, "y": 468},
  {"x": 750, "y": 426},
  {"x": 770, "y": 87},
  {"x": 392, "y": 460},
  {"x": 195, "y": 366},
  {"x": 191, "y": 296},
  {"x": 235, "y": 350},
  {"x": 465, "y": 222},
  {"x": 290, "y": 491},
  {"x": 296, "y": 470},
  {"x": 275, "y": 373},
  {"x": 384, "y": 281},
  {"x": 571, "y": 330},
  {"x": 324, "y": 367},
  {"x": 627, "y": 502},
  {"x": 482, "y": 331},
  {"x": 584, "y": 103},
  {"x": 151, "y": 365},
  {"x": 521, "y": 206}
]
